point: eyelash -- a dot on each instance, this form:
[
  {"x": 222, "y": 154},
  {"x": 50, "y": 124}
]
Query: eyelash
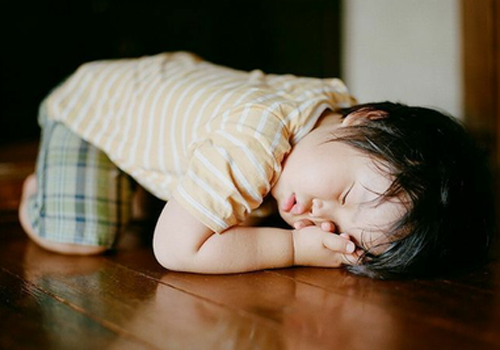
[
  {"x": 344, "y": 198},
  {"x": 347, "y": 194}
]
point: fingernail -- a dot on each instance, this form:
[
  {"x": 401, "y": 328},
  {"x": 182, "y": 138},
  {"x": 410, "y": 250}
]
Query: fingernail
[{"x": 350, "y": 247}]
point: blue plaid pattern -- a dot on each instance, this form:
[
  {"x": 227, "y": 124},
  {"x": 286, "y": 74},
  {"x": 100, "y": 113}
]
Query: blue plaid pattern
[{"x": 82, "y": 197}]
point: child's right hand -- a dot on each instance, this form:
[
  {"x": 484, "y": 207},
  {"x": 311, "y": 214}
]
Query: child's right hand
[{"x": 319, "y": 246}]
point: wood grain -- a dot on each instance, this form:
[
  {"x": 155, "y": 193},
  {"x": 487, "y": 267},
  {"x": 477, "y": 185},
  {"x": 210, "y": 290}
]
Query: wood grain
[
  {"x": 32, "y": 318},
  {"x": 371, "y": 314},
  {"x": 125, "y": 300}
]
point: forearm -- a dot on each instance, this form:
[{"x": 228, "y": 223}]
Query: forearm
[
  {"x": 241, "y": 249},
  {"x": 183, "y": 243}
]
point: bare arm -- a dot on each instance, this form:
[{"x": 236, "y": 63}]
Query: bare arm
[{"x": 183, "y": 243}]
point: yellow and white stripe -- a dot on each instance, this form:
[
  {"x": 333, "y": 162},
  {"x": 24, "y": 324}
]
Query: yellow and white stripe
[{"x": 210, "y": 136}]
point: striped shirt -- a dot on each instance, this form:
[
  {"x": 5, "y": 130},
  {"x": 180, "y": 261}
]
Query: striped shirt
[{"x": 209, "y": 136}]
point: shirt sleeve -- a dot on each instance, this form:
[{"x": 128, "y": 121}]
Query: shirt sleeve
[{"x": 233, "y": 168}]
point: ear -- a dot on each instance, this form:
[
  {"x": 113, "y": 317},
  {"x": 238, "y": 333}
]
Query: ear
[{"x": 363, "y": 116}]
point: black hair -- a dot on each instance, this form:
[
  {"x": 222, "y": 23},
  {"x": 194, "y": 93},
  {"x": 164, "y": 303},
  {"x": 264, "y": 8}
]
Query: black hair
[{"x": 445, "y": 180}]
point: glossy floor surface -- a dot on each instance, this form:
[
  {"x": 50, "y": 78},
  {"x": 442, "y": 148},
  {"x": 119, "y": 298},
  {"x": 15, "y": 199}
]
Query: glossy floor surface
[{"x": 125, "y": 300}]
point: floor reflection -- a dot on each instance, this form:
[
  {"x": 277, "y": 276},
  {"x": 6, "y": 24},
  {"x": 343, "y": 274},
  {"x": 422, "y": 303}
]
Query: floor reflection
[
  {"x": 83, "y": 300},
  {"x": 121, "y": 305},
  {"x": 302, "y": 316}
]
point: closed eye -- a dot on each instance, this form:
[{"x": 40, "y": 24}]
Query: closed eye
[{"x": 344, "y": 198}]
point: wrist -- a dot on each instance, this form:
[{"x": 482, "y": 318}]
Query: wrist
[{"x": 295, "y": 248}]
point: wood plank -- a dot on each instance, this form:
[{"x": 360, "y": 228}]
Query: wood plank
[
  {"x": 496, "y": 86},
  {"x": 137, "y": 306},
  {"x": 19, "y": 152},
  {"x": 478, "y": 21},
  {"x": 33, "y": 319},
  {"x": 16, "y": 163},
  {"x": 130, "y": 294},
  {"x": 333, "y": 306},
  {"x": 468, "y": 312}
]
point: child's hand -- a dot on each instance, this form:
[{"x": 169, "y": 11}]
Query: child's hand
[{"x": 319, "y": 246}]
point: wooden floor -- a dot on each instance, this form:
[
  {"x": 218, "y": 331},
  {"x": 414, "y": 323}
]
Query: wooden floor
[{"x": 125, "y": 300}]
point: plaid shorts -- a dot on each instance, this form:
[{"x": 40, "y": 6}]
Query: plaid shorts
[{"x": 82, "y": 197}]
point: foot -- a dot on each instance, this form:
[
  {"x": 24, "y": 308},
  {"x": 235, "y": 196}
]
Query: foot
[{"x": 29, "y": 189}]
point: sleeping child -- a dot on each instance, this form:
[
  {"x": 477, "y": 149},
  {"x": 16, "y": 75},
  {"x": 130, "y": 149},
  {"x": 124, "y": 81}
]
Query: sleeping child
[{"x": 384, "y": 189}]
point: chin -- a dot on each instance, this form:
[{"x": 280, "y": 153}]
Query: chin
[{"x": 286, "y": 218}]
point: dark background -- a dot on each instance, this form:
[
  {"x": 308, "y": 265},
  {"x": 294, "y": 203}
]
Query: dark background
[{"x": 44, "y": 41}]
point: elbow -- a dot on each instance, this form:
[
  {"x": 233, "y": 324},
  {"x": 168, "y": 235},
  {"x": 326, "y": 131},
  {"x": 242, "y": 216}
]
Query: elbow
[
  {"x": 177, "y": 254},
  {"x": 181, "y": 257},
  {"x": 178, "y": 238},
  {"x": 168, "y": 256},
  {"x": 165, "y": 259}
]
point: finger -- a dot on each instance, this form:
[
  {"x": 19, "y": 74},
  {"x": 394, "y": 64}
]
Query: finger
[
  {"x": 349, "y": 259},
  {"x": 298, "y": 225},
  {"x": 339, "y": 244},
  {"x": 302, "y": 223},
  {"x": 352, "y": 259},
  {"x": 327, "y": 226}
]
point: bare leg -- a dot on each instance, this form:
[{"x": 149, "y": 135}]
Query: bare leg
[{"x": 30, "y": 188}]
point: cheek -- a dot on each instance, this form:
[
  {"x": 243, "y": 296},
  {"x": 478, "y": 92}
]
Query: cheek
[{"x": 293, "y": 163}]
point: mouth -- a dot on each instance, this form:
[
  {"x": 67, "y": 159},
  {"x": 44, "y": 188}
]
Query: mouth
[
  {"x": 292, "y": 205},
  {"x": 289, "y": 203}
]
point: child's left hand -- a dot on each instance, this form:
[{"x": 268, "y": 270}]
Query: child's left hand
[{"x": 328, "y": 226}]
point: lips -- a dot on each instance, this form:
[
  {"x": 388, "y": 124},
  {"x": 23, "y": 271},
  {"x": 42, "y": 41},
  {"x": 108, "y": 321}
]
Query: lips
[{"x": 289, "y": 203}]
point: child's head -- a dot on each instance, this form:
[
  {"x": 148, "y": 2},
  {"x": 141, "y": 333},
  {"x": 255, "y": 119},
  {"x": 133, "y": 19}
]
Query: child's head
[
  {"x": 337, "y": 187},
  {"x": 442, "y": 178},
  {"x": 407, "y": 184}
]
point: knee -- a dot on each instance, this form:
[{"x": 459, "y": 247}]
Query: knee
[
  {"x": 62, "y": 248},
  {"x": 57, "y": 247}
]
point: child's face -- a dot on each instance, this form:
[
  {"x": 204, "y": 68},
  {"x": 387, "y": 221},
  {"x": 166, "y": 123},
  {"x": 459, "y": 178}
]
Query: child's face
[{"x": 334, "y": 182}]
